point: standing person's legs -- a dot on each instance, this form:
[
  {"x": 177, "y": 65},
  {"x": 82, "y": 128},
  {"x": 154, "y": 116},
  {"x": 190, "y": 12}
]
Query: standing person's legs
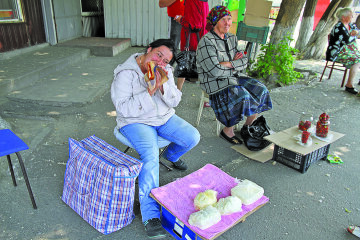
[
  {"x": 183, "y": 137},
  {"x": 175, "y": 31},
  {"x": 180, "y": 83},
  {"x": 144, "y": 140}
]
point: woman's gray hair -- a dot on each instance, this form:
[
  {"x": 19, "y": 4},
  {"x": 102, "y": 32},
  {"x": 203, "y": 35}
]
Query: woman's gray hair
[{"x": 342, "y": 12}]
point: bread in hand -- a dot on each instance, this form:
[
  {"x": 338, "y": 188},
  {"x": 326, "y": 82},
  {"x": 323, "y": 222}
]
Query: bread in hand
[{"x": 150, "y": 75}]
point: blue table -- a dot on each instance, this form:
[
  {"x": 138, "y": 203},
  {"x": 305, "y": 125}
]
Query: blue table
[{"x": 10, "y": 143}]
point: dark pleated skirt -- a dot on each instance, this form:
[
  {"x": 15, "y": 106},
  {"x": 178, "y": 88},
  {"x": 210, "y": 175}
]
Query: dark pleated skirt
[{"x": 233, "y": 103}]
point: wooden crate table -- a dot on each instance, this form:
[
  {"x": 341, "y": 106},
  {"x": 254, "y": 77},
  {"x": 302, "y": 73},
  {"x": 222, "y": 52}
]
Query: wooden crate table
[
  {"x": 287, "y": 151},
  {"x": 177, "y": 203}
]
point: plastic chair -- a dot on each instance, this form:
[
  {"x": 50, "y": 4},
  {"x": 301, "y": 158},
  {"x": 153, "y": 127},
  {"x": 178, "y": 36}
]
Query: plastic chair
[
  {"x": 162, "y": 143},
  {"x": 337, "y": 66},
  {"x": 10, "y": 143},
  {"x": 205, "y": 98}
]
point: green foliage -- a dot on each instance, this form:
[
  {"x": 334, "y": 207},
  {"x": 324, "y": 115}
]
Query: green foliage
[{"x": 278, "y": 59}]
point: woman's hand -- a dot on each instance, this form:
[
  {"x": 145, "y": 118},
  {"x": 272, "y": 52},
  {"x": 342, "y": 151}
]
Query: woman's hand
[
  {"x": 226, "y": 64},
  {"x": 158, "y": 84},
  {"x": 354, "y": 33},
  {"x": 238, "y": 55}
]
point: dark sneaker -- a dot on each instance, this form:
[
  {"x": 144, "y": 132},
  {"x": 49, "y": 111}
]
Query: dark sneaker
[
  {"x": 359, "y": 82},
  {"x": 180, "y": 165},
  {"x": 154, "y": 229}
]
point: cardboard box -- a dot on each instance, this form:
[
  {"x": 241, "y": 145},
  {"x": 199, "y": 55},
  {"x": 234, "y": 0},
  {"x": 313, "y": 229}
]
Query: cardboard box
[
  {"x": 254, "y": 21},
  {"x": 234, "y": 16},
  {"x": 257, "y": 13},
  {"x": 259, "y": 8},
  {"x": 177, "y": 203},
  {"x": 180, "y": 231}
]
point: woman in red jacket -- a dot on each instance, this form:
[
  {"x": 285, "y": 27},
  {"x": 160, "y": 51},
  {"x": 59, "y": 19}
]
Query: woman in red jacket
[{"x": 195, "y": 14}]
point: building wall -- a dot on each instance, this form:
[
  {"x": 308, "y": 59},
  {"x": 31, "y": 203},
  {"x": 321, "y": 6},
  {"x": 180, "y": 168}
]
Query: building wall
[
  {"x": 30, "y": 32},
  {"x": 141, "y": 20},
  {"x": 67, "y": 19}
]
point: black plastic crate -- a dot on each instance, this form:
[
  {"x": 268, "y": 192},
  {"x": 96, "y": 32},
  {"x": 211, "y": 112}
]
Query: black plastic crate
[
  {"x": 252, "y": 34},
  {"x": 298, "y": 161}
]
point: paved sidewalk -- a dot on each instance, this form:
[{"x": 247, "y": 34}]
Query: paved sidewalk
[{"x": 302, "y": 206}]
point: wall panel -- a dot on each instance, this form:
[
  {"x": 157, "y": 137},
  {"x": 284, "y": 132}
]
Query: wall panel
[
  {"x": 141, "y": 20},
  {"x": 68, "y": 19}
]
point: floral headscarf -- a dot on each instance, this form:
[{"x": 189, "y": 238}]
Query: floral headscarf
[{"x": 215, "y": 14}]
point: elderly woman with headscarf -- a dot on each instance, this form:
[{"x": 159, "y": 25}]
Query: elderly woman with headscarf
[
  {"x": 342, "y": 45},
  {"x": 232, "y": 94}
]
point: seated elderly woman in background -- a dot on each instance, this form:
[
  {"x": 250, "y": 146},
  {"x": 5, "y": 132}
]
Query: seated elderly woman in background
[
  {"x": 232, "y": 94},
  {"x": 342, "y": 45},
  {"x": 144, "y": 113}
]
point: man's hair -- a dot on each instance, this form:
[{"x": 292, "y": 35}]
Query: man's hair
[{"x": 164, "y": 42}]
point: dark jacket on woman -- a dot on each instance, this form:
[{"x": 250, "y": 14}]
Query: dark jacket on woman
[{"x": 339, "y": 36}]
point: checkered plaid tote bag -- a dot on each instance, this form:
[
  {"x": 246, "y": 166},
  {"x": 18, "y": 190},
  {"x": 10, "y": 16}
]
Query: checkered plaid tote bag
[{"x": 99, "y": 184}]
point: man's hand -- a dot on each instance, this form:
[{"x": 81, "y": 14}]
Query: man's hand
[
  {"x": 165, "y": 3},
  {"x": 178, "y": 18}
]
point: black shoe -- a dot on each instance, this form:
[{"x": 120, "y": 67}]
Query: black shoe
[
  {"x": 351, "y": 90},
  {"x": 359, "y": 82},
  {"x": 233, "y": 140},
  {"x": 154, "y": 229},
  {"x": 180, "y": 165}
]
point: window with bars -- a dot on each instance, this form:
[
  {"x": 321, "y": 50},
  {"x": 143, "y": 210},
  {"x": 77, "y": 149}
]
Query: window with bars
[
  {"x": 10, "y": 11},
  {"x": 94, "y": 6}
]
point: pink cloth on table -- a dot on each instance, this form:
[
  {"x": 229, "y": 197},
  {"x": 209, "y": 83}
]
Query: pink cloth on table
[{"x": 178, "y": 197}]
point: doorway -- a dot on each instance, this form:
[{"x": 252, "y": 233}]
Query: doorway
[{"x": 92, "y": 16}]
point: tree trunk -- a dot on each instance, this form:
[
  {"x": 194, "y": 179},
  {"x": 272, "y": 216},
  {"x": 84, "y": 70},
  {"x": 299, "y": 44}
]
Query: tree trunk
[
  {"x": 315, "y": 48},
  {"x": 287, "y": 18},
  {"x": 358, "y": 22},
  {"x": 307, "y": 24}
]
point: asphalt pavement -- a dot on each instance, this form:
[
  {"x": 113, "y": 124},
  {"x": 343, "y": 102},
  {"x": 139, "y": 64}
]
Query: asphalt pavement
[{"x": 75, "y": 102}]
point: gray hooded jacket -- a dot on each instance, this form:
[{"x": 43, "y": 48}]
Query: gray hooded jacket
[{"x": 132, "y": 101}]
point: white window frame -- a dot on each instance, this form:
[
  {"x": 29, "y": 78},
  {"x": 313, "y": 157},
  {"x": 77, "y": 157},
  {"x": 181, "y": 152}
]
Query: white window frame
[{"x": 18, "y": 10}]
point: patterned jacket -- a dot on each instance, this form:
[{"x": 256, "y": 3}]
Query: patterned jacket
[
  {"x": 339, "y": 36},
  {"x": 210, "y": 52}
]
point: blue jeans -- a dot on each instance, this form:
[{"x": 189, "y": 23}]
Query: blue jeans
[{"x": 183, "y": 137}]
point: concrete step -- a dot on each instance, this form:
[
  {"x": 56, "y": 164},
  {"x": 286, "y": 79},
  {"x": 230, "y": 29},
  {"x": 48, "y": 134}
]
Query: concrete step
[
  {"x": 24, "y": 70},
  {"x": 103, "y": 47},
  {"x": 76, "y": 85}
]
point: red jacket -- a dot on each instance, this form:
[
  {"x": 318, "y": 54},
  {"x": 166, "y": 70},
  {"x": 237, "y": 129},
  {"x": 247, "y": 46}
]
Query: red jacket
[
  {"x": 195, "y": 14},
  {"x": 177, "y": 8}
]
